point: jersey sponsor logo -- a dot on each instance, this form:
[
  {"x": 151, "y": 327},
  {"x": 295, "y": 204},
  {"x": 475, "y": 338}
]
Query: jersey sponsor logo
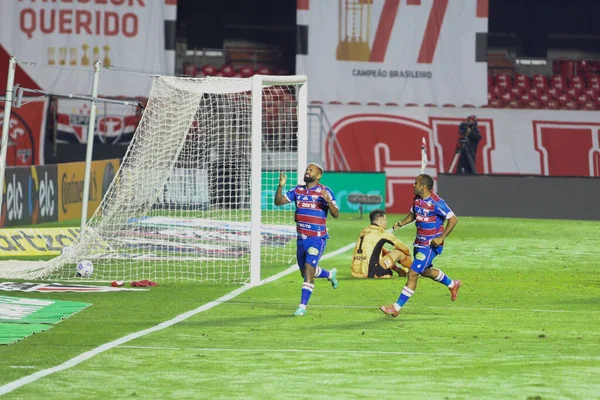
[
  {"x": 305, "y": 226},
  {"x": 313, "y": 251},
  {"x": 420, "y": 256},
  {"x": 307, "y": 205},
  {"x": 421, "y": 218}
]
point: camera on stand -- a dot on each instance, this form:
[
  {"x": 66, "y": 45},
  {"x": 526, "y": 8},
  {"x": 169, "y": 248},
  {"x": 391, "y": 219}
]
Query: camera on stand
[{"x": 466, "y": 147}]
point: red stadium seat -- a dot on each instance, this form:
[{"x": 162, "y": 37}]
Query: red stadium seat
[
  {"x": 354, "y": 103},
  {"x": 517, "y": 91},
  {"x": 554, "y": 92},
  {"x": 227, "y": 71},
  {"x": 590, "y": 105},
  {"x": 533, "y": 104},
  {"x": 208, "y": 70},
  {"x": 544, "y": 98},
  {"x": 392, "y": 104},
  {"x": 264, "y": 71},
  {"x": 316, "y": 102},
  {"x": 573, "y": 92},
  {"x": 406, "y": 105},
  {"x": 449, "y": 105},
  {"x": 505, "y": 84},
  {"x": 373, "y": 103},
  {"x": 468, "y": 106},
  {"x": 246, "y": 71},
  {"x": 523, "y": 84},
  {"x": 498, "y": 91},
  {"x": 553, "y": 105},
  {"x": 430, "y": 105},
  {"x": 496, "y": 103},
  {"x": 514, "y": 104},
  {"x": 571, "y": 105},
  {"x": 335, "y": 102},
  {"x": 190, "y": 70}
]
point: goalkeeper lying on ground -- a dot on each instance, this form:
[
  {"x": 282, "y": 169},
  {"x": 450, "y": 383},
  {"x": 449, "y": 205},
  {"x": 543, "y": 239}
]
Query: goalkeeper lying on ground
[{"x": 371, "y": 259}]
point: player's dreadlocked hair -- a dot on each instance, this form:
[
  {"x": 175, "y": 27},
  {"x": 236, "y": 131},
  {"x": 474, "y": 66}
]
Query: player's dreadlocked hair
[{"x": 375, "y": 215}]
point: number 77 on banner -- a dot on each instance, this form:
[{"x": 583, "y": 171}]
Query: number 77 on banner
[{"x": 430, "y": 37}]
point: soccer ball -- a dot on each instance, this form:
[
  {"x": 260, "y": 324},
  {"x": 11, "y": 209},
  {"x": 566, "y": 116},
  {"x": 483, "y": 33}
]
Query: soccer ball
[{"x": 85, "y": 268}]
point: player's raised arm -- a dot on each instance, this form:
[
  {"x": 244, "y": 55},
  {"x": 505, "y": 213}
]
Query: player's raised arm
[
  {"x": 410, "y": 217},
  {"x": 333, "y": 208},
  {"x": 280, "y": 199}
]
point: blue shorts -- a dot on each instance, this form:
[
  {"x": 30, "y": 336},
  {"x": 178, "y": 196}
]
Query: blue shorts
[
  {"x": 423, "y": 257},
  {"x": 310, "y": 250}
]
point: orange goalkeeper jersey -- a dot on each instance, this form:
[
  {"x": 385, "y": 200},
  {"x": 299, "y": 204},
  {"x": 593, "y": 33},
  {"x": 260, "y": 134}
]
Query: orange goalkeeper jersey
[{"x": 369, "y": 246}]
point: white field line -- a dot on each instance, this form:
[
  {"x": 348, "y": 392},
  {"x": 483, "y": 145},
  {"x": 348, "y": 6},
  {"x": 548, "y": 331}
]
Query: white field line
[
  {"x": 360, "y": 353},
  {"x": 9, "y": 387}
]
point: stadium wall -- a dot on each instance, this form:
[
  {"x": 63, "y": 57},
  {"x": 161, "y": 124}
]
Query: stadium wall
[
  {"x": 521, "y": 196},
  {"x": 514, "y": 142}
]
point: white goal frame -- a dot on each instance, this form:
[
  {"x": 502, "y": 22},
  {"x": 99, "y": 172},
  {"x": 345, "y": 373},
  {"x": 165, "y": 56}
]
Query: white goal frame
[{"x": 37, "y": 270}]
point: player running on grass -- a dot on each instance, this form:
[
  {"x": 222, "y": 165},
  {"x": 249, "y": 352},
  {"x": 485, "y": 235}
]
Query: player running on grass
[
  {"x": 430, "y": 211},
  {"x": 312, "y": 201}
]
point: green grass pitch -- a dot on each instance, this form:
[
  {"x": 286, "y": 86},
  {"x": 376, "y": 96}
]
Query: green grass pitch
[{"x": 526, "y": 325}]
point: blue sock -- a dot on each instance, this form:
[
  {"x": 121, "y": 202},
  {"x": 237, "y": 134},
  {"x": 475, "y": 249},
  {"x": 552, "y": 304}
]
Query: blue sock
[
  {"x": 322, "y": 273},
  {"x": 404, "y": 296},
  {"x": 443, "y": 278},
  {"x": 307, "y": 289}
]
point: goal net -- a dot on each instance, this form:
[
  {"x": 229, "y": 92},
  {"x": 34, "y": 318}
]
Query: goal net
[{"x": 192, "y": 200}]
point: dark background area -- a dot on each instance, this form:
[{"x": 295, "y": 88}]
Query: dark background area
[{"x": 529, "y": 26}]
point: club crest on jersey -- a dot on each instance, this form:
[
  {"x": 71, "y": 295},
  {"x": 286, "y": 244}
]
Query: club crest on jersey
[
  {"x": 420, "y": 256},
  {"x": 313, "y": 251},
  {"x": 425, "y": 211},
  {"x": 314, "y": 198}
]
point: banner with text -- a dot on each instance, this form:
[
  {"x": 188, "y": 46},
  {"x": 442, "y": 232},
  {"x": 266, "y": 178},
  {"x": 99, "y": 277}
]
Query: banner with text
[
  {"x": 70, "y": 194},
  {"x": 421, "y": 51},
  {"x": 29, "y": 195},
  {"x": 58, "y": 34},
  {"x": 524, "y": 142}
]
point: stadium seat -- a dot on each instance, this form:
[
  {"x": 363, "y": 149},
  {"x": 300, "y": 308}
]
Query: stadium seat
[
  {"x": 335, "y": 102},
  {"x": 533, "y": 104},
  {"x": 590, "y": 106},
  {"x": 190, "y": 70},
  {"x": 407, "y": 104},
  {"x": 468, "y": 106},
  {"x": 496, "y": 103},
  {"x": 373, "y": 103},
  {"x": 571, "y": 105},
  {"x": 430, "y": 105},
  {"x": 208, "y": 70},
  {"x": 514, "y": 104},
  {"x": 264, "y": 71},
  {"x": 354, "y": 103},
  {"x": 227, "y": 71},
  {"x": 553, "y": 92},
  {"x": 246, "y": 71},
  {"x": 553, "y": 105},
  {"x": 316, "y": 102},
  {"x": 449, "y": 105},
  {"x": 573, "y": 92},
  {"x": 392, "y": 104},
  {"x": 498, "y": 91}
]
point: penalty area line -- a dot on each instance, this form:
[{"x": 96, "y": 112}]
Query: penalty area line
[{"x": 9, "y": 387}]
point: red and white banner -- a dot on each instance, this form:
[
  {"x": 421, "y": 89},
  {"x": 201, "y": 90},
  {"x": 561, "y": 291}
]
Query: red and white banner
[
  {"x": 528, "y": 142},
  {"x": 115, "y": 124},
  {"x": 58, "y": 34},
  {"x": 420, "y": 51},
  {"x": 26, "y": 133}
]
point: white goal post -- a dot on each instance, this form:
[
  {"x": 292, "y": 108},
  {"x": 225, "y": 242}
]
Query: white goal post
[{"x": 193, "y": 198}]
